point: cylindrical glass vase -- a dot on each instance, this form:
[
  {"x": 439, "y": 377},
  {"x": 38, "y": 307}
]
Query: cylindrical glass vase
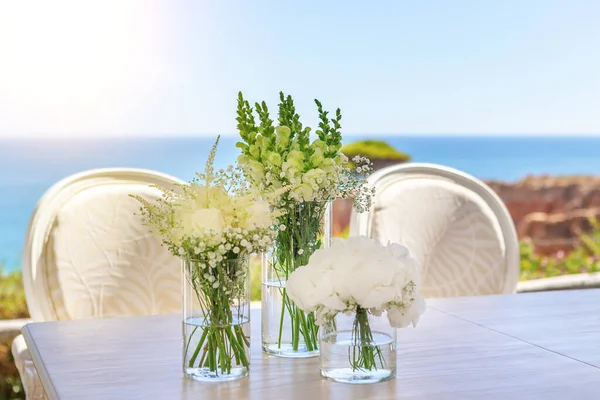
[
  {"x": 287, "y": 331},
  {"x": 216, "y": 320},
  {"x": 358, "y": 348}
]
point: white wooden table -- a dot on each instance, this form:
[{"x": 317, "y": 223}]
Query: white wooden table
[{"x": 526, "y": 346}]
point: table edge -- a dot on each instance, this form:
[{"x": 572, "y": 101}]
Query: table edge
[{"x": 40, "y": 367}]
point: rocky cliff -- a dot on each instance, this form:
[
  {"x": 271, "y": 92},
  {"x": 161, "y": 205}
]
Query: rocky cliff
[{"x": 552, "y": 211}]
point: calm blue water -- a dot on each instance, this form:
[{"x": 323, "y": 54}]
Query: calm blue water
[{"x": 28, "y": 168}]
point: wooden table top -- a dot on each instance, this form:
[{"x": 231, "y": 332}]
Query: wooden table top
[{"x": 526, "y": 346}]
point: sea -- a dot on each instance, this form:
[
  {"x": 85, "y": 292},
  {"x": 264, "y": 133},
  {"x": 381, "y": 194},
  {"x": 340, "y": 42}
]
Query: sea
[{"x": 28, "y": 167}]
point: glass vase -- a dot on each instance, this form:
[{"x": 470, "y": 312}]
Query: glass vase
[
  {"x": 216, "y": 320},
  {"x": 287, "y": 331},
  {"x": 358, "y": 348}
]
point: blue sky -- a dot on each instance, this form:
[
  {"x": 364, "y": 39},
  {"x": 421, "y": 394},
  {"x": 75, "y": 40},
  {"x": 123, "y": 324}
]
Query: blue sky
[{"x": 139, "y": 68}]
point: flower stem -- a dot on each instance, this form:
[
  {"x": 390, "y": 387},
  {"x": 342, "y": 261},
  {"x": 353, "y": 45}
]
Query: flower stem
[
  {"x": 283, "y": 304},
  {"x": 222, "y": 341},
  {"x": 200, "y": 343},
  {"x": 293, "y": 248},
  {"x": 364, "y": 352}
]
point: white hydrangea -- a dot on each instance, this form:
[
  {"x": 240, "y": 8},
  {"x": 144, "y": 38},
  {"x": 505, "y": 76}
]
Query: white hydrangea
[{"x": 359, "y": 272}]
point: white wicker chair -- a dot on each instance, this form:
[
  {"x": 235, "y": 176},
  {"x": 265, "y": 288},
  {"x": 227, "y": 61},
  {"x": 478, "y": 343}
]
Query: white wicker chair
[
  {"x": 454, "y": 224},
  {"x": 87, "y": 255}
]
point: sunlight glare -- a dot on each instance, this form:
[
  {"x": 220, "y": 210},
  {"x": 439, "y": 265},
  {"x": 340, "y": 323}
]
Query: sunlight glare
[{"x": 66, "y": 62}]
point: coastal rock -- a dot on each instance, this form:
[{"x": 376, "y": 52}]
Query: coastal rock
[
  {"x": 548, "y": 194},
  {"x": 556, "y": 232},
  {"x": 551, "y": 211}
]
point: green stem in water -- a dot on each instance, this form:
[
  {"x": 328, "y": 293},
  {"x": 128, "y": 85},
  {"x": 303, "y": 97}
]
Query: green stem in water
[
  {"x": 303, "y": 230},
  {"x": 222, "y": 341},
  {"x": 364, "y": 352},
  {"x": 200, "y": 344}
]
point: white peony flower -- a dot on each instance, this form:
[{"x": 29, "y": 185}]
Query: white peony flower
[
  {"x": 359, "y": 272},
  {"x": 401, "y": 317},
  {"x": 299, "y": 288}
]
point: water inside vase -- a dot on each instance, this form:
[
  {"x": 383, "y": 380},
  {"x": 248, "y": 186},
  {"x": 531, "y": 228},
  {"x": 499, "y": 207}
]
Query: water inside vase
[
  {"x": 277, "y": 331},
  {"x": 338, "y": 349},
  {"x": 230, "y": 341}
]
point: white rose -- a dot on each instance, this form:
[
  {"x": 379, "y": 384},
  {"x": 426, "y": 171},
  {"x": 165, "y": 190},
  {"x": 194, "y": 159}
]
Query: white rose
[
  {"x": 196, "y": 222},
  {"x": 259, "y": 215},
  {"x": 176, "y": 235},
  {"x": 208, "y": 197}
]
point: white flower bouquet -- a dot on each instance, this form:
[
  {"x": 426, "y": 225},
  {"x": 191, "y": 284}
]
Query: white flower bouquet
[
  {"x": 213, "y": 224},
  {"x": 360, "y": 277},
  {"x": 314, "y": 173}
]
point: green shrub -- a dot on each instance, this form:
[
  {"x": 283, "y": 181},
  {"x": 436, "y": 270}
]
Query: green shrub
[
  {"x": 585, "y": 258},
  {"x": 12, "y": 305},
  {"x": 12, "y": 295},
  {"x": 374, "y": 149},
  {"x": 10, "y": 384}
]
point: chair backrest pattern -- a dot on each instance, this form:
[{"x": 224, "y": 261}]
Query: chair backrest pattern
[
  {"x": 457, "y": 228},
  {"x": 87, "y": 255}
]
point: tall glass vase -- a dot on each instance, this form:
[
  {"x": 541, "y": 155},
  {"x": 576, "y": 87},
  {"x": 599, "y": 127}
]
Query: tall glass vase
[
  {"x": 216, "y": 320},
  {"x": 287, "y": 331}
]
